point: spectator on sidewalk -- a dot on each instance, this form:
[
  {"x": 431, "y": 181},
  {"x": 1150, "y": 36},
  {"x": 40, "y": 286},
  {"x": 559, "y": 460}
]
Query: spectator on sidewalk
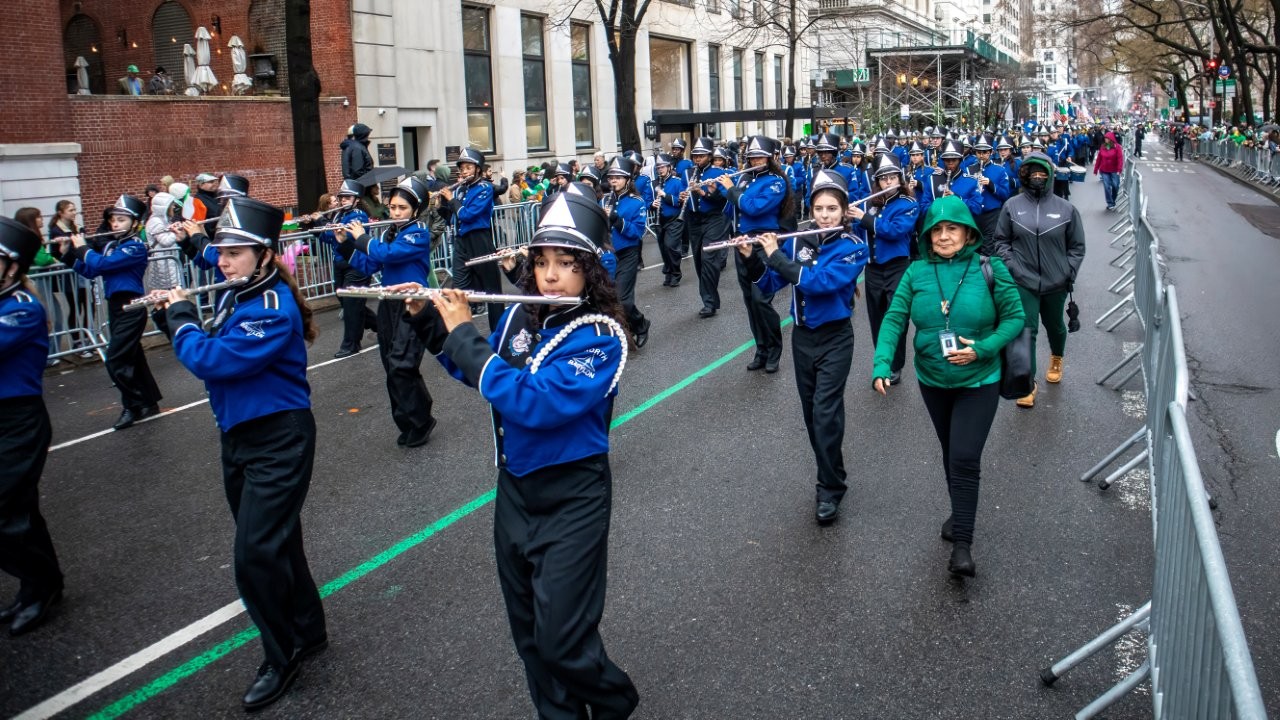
[
  {"x": 32, "y": 218},
  {"x": 1109, "y": 164},
  {"x": 74, "y": 288},
  {"x": 356, "y": 160},
  {"x": 206, "y": 203}
]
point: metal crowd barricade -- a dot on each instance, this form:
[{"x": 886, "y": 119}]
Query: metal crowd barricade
[
  {"x": 513, "y": 225},
  {"x": 77, "y": 313}
]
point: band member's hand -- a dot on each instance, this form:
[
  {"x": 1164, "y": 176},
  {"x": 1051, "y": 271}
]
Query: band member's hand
[
  {"x": 173, "y": 295},
  {"x": 445, "y": 193},
  {"x": 983, "y": 181},
  {"x": 355, "y": 229},
  {"x": 191, "y": 227},
  {"x": 414, "y": 305},
  {"x": 684, "y": 196},
  {"x": 963, "y": 356},
  {"x": 725, "y": 181},
  {"x": 509, "y": 262},
  {"x": 855, "y": 213},
  {"x": 881, "y": 386},
  {"x": 77, "y": 240},
  {"x": 454, "y": 308},
  {"x": 769, "y": 243}
]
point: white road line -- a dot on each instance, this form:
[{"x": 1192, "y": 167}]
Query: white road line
[
  {"x": 188, "y": 406},
  {"x": 1278, "y": 443},
  {"x": 83, "y": 690}
]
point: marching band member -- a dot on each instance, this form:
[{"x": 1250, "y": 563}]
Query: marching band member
[
  {"x": 471, "y": 208},
  {"x": 680, "y": 163},
  {"x": 825, "y": 148},
  {"x": 951, "y": 180},
  {"x": 253, "y": 362},
  {"x": 551, "y": 376},
  {"x": 760, "y": 201},
  {"x": 26, "y": 550},
  {"x": 799, "y": 178},
  {"x": 641, "y": 182},
  {"x": 994, "y": 187},
  {"x": 194, "y": 238},
  {"x": 627, "y": 214},
  {"x": 402, "y": 253},
  {"x": 356, "y": 315},
  {"x": 703, "y": 208},
  {"x": 890, "y": 225},
  {"x": 121, "y": 262},
  {"x": 670, "y": 226},
  {"x": 823, "y": 272}
]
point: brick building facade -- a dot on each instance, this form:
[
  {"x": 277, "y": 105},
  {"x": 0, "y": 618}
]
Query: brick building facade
[{"x": 91, "y": 148}]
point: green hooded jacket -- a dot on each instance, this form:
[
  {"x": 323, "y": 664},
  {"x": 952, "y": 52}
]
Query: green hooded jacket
[{"x": 973, "y": 314}]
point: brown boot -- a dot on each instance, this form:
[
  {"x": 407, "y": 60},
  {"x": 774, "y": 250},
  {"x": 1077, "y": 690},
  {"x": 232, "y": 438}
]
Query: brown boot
[
  {"x": 1030, "y": 400},
  {"x": 1054, "y": 373}
]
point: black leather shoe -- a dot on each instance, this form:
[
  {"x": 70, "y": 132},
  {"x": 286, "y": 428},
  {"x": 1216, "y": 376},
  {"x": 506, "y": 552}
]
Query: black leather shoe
[
  {"x": 31, "y": 616},
  {"x": 706, "y": 312},
  {"x": 827, "y": 512},
  {"x": 344, "y": 353},
  {"x": 642, "y": 335},
  {"x": 895, "y": 378},
  {"x": 961, "y": 561},
  {"x": 127, "y": 419},
  {"x": 146, "y": 412},
  {"x": 270, "y": 685},
  {"x": 420, "y": 436},
  {"x": 771, "y": 365},
  {"x": 404, "y": 437},
  {"x": 675, "y": 281},
  {"x": 7, "y": 614},
  {"x": 946, "y": 530},
  {"x": 756, "y": 363},
  {"x": 666, "y": 281}
]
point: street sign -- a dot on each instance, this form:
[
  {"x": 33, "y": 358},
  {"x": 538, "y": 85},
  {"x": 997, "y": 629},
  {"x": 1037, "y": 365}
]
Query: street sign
[
  {"x": 1224, "y": 71},
  {"x": 905, "y": 113},
  {"x": 1173, "y": 102},
  {"x": 862, "y": 74}
]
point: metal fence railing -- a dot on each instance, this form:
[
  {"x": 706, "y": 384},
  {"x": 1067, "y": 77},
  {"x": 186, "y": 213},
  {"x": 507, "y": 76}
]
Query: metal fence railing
[
  {"x": 1198, "y": 660},
  {"x": 1256, "y": 165}
]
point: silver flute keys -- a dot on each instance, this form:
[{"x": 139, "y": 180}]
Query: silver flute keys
[{"x": 377, "y": 293}]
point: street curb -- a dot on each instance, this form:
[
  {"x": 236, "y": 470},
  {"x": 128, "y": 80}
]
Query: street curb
[{"x": 1240, "y": 181}]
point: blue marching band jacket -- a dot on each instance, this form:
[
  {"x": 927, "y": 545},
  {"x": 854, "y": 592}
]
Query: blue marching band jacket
[
  {"x": 401, "y": 256},
  {"x": 472, "y": 209},
  {"x": 799, "y": 180},
  {"x": 824, "y": 274},
  {"x": 24, "y": 345},
  {"x": 120, "y": 263},
  {"x": 355, "y": 214},
  {"x": 963, "y": 186},
  {"x": 713, "y": 200},
  {"x": 756, "y": 202},
  {"x": 891, "y": 228},
  {"x": 633, "y": 213},
  {"x": 551, "y": 387},
  {"x": 999, "y": 190},
  {"x": 671, "y": 189},
  {"x": 644, "y": 188},
  {"x": 253, "y": 360}
]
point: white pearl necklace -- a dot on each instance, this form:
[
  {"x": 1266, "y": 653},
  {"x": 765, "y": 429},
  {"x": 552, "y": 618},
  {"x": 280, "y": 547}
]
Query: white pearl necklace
[{"x": 574, "y": 325}]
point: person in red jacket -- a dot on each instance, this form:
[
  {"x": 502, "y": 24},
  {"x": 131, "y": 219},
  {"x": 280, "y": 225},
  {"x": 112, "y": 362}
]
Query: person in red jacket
[{"x": 1110, "y": 162}]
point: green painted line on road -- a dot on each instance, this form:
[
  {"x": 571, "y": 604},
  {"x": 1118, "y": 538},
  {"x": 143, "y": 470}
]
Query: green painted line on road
[{"x": 243, "y": 637}]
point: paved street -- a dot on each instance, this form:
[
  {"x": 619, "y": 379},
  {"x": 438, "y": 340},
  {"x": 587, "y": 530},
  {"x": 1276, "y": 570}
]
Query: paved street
[{"x": 725, "y": 599}]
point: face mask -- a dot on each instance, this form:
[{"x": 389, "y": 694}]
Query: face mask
[{"x": 1037, "y": 184}]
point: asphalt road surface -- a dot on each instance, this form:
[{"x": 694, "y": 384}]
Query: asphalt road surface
[{"x": 725, "y": 599}]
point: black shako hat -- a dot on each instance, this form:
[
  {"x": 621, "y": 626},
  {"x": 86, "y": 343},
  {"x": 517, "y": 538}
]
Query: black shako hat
[
  {"x": 129, "y": 206},
  {"x": 18, "y": 243},
  {"x": 830, "y": 180},
  {"x": 245, "y": 221},
  {"x": 572, "y": 219},
  {"x": 233, "y": 186}
]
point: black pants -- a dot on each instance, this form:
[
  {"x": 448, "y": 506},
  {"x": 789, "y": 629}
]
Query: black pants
[
  {"x": 486, "y": 277},
  {"x": 879, "y": 283},
  {"x": 401, "y": 352},
  {"x": 356, "y": 315},
  {"x": 1137, "y": 147},
  {"x": 670, "y": 239},
  {"x": 766, "y": 326},
  {"x": 1177, "y": 149},
  {"x": 266, "y": 471},
  {"x": 707, "y": 228},
  {"x": 987, "y": 226},
  {"x": 962, "y": 418},
  {"x": 823, "y": 356},
  {"x": 551, "y": 538},
  {"x": 26, "y": 550},
  {"x": 628, "y": 267},
  {"x": 126, "y": 361}
]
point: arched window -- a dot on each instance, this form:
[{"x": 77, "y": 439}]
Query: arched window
[
  {"x": 81, "y": 38},
  {"x": 170, "y": 30},
  {"x": 266, "y": 35}
]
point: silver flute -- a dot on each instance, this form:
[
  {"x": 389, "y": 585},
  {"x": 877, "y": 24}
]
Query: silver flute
[
  {"x": 335, "y": 227},
  {"x": 158, "y": 296},
  {"x": 377, "y": 293},
  {"x": 502, "y": 254},
  {"x": 753, "y": 239}
]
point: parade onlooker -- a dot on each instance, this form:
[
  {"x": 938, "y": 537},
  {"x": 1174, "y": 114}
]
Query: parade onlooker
[
  {"x": 1139, "y": 133},
  {"x": 160, "y": 83},
  {"x": 356, "y": 160},
  {"x": 75, "y": 289},
  {"x": 206, "y": 203},
  {"x": 1043, "y": 252},
  {"x": 130, "y": 84},
  {"x": 1109, "y": 163},
  {"x": 957, "y": 343},
  {"x": 164, "y": 257},
  {"x": 165, "y": 182},
  {"x": 515, "y": 194},
  {"x": 32, "y": 218}
]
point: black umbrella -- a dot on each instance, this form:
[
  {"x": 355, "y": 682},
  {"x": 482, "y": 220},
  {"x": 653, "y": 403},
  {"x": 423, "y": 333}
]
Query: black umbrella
[
  {"x": 1269, "y": 127},
  {"x": 381, "y": 175}
]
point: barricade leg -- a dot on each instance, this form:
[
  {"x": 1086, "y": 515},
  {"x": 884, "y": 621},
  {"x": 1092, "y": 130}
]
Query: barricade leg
[
  {"x": 1132, "y": 374},
  {"x": 1122, "y": 237},
  {"x": 1122, "y": 281},
  {"x": 1132, "y": 311},
  {"x": 1127, "y": 359},
  {"x": 1119, "y": 690},
  {"x": 1051, "y": 674},
  {"x": 1114, "y": 309},
  {"x": 1117, "y": 225},
  {"x": 1123, "y": 258},
  {"x": 1111, "y": 457},
  {"x": 1109, "y": 480}
]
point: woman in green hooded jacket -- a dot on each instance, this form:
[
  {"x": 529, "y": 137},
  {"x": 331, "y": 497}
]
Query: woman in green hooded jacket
[{"x": 961, "y": 326}]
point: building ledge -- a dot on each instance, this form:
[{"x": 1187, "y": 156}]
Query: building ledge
[
  {"x": 338, "y": 100},
  {"x": 49, "y": 149}
]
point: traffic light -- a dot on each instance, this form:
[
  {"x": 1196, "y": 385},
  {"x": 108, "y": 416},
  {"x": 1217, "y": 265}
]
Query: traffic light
[
  {"x": 1211, "y": 65},
  {"x": 995, "y": 84}
]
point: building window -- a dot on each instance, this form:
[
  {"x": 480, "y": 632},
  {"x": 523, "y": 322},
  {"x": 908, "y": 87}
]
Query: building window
[
  {"x": 583, "y": 131},
  {"x": 535, "y": 83},
  {"x": 759, "y": 81},
  {"x": 713, "y": 7},
  {"x": 170, "y": 30},
  {"x": 778, "y": 99},
  {"x": 737, "y": 79},
  {"x": 669, "y": 73},
  {"x": 81, "y": 38},
  {"x": 478, "y": 78},
  {"x": 713, "y": 74},
  {"x": 735, "y": 9}
]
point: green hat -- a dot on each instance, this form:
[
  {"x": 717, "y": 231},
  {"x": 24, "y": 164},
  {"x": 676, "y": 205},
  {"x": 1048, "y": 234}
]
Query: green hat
[
  {"x": 949, "y": 208},
  {"x": 132, "y": 69}
]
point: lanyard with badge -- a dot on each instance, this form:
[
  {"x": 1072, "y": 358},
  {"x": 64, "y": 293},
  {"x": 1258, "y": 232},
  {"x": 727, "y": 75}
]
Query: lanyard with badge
[{"x": 946, "y": 337}]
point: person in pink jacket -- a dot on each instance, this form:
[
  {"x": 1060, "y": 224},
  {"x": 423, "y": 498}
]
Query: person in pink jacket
[{"x": 1110, "y": 162}]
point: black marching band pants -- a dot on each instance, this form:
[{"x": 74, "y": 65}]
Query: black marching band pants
[
  {"x": 26, "y": 550},
  {"x": 266, "y": 472},
  {"x": 823, "y": 356},
  {"x": 962, "y": 419},
  {"x": 551, "y": 537},
  {"x": 126, "y": 362},
  {"x": 486, "y": 277},
  {"x": 880, "y": 282},
  {"x": 670, "y": 239},
  {"x": 766, "y": 326},
  {"x": 401, "y": 351},
  {"x": 628, "y": 267},
  {"x": 356, "y": 315},
  {"x": 706, "y": 228},
  {"x": 987, "y": 227}
]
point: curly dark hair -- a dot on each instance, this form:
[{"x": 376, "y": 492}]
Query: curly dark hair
[{"x": 600, "y": 292}]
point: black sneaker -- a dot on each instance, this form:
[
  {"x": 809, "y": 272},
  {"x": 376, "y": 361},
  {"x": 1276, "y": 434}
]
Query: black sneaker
[{"x": 270, "y": 684}]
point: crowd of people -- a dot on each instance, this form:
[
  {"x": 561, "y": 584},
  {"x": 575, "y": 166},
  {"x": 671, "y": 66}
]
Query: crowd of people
[{"x": 933, "y": 223}]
